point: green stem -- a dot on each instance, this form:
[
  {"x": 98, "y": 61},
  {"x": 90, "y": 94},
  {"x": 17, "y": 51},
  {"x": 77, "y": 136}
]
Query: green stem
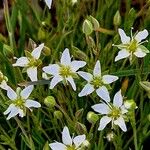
[{"x": 133, "y": 123}]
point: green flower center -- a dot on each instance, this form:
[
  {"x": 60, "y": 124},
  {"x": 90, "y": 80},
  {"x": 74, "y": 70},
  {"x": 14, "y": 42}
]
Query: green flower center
[
  {"x": 19, "y": 102},
  {"x": 65, "y": 71},
  {"x": 71, "y": 147},
  {"x": 34, "y": 62},
  {"x": 133, "y": 45},
  {"x": 97, "y": 82},
  {"x": 115, "y": 113}
]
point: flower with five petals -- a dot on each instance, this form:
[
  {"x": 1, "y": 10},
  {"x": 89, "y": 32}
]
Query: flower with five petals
[
  {"x": 31, "y": 62},
  {"x": 114, "y": 113},
  {"x": 96, "y": 82},
  {"x": 65, "y": 71},
  {"x": 20, "y": 101},
  {"x": 69, "y": 143},
  {"x": 132, "y": 46}
]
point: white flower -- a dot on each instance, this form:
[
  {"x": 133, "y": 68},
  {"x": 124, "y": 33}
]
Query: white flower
[
  {"x": 69, "y": 143},
  {"x": 130, "y": 46},
  {"x": 65, "y": 71},
  {"x": 3, "y": 81},
  {"x": 97, "y": 82},
  {"x": 114, "y": 113},
  {"x": 31, "y": 62},
  {"x": 48, "y": 3},
  {"x": 20, "y": 102}
]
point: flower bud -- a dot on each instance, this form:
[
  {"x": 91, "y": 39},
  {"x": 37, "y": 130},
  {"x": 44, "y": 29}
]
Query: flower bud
[
  {"x": 92, "y": 117},
  {"x": 49, "y": 101},
  {"x": 130, "y": 104},
  {"x": 87, "y": 27},
  {"x": 58, "y": 114},
  {"x": 117, "y": 19},
  {"x": 41, "y": 34},
  {"x": 46, "y": 50},
  {"x": 94, "y": 22}
]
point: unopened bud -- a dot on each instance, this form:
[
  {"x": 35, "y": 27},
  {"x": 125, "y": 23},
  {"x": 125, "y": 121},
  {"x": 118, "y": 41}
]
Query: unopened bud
[
  {"x": 87, "y": 27},
  {"x": 46, "y": 51},
  {"x": 92, "y": 117},
  {"x": 49, "y": 101},
  {"x": 117, "y": 19},
  {"x": 41, "y": 34},
  {"x": 58, "y": 114},
  {"x": 94, "y": 22},
  {"x": 130, "y": 104}
]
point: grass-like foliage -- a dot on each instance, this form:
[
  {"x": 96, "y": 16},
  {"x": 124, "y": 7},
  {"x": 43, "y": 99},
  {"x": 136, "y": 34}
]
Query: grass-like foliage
[{"x": 74, "y": 74}]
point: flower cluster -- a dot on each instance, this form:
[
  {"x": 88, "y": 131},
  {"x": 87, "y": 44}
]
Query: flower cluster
[{"x": 66, "y": 71}]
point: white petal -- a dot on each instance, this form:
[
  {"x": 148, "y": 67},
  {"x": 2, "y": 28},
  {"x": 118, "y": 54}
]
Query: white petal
[
  {"x": 32, "y": 73},
  {"x": 14, "y": 111},
  {"x": 85, "y": 75},
  {"x": 65, "y": 57},
  {"x": 48, "y": 3},
  {"x": 139, "y": 53},
  {"x": 26, "y": 92},
  {"x": 55, "y": 80},
  {"x": 103, "y": 93},
  {"x": 122, "y": 54},
  {"x": 21, "y": 62},
  {"x": 57, "y": 146},
  {"x": 107, "y": 79},
  {"x": 141, "y": 35},
  {"x": 75, "y": 65},
  {"x": 88, "y": 89},
  {"x": 118, "y": 99},
  {"x": 78, "y": 140},
  {"x": 66, "y": 138},
  {"x": 4, "y": 85},
  {"x": 121, "y": 123},
  {"x": 103, "y": 122},
  {"x": 123, "y": 109},
  {"x": 124, "y": 38},
  {"x": 71, "y": 81},
  {"x": 37, "y": 51},
  {"x": 97, "y": 69},
  {"x": 101, "y": 108},
  {"x": 52, "y": 69},
  {"x": 8, "y": 110},
  {"x": 31, "y": 103},
  {"x": 11, "y": 93}
]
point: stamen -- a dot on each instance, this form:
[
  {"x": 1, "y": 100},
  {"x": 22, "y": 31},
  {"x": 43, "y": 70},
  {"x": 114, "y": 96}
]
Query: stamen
[
  {"x": 131, "y": 32},
  {"x": 145, "y": 41}
]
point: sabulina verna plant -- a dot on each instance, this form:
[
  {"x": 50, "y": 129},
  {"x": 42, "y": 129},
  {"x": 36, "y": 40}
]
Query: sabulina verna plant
[
  {"x": 31, "y": 62},
  {"x": 132, "y": 45},
  {"x": 20, "y": 101},
  {"x": 112, "y": 112},
  {"x": 97, "y": 82},
  {"x": 65, "y": 71}
]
